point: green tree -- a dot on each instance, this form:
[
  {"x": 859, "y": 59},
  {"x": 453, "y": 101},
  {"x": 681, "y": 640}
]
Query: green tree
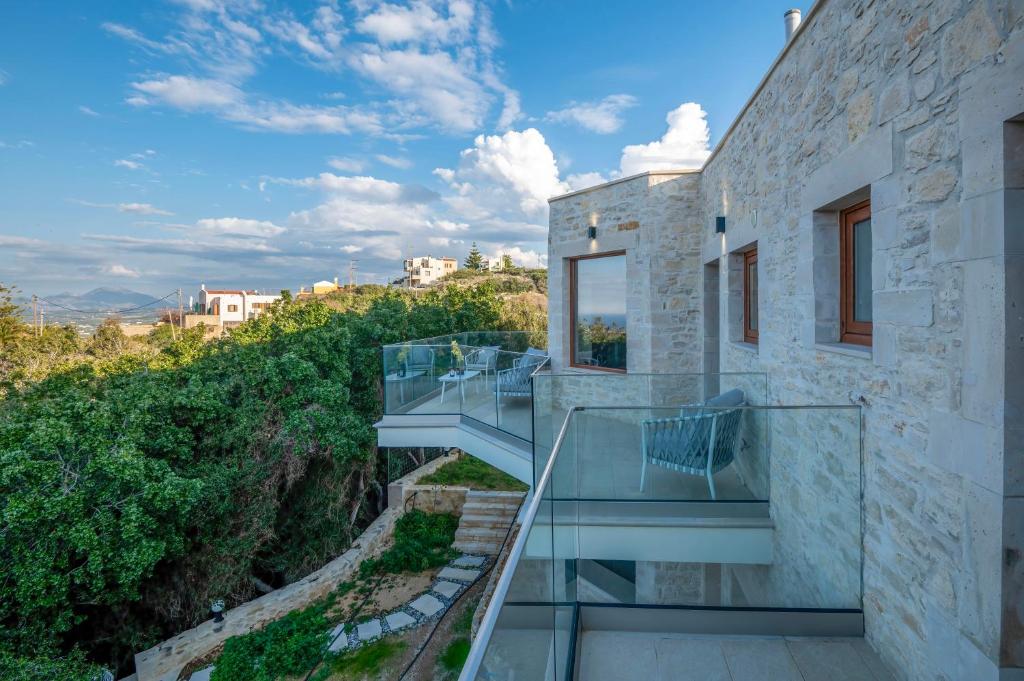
[
  {"x": 12, "y": 327},
  {"x": 474, "y": 261},
  {"x": 506, "y": 263},
  {"x": 136, "y": 488},
  {"x": 108, "y": 341}
]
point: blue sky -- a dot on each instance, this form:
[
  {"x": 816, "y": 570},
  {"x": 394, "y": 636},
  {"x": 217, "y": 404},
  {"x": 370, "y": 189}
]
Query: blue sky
[{"x": 266, "y": 144}]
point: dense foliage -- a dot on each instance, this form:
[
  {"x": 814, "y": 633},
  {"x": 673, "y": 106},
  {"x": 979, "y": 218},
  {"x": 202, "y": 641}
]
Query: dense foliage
[
  {"x": 421, "y": 541},
  {"x": 138, "y": 485},
  {"x": 290, "y": 646}
]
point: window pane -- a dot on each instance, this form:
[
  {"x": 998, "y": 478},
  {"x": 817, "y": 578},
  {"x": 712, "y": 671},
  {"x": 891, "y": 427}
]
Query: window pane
[
  {"x": 862, "y": 271},
  {"x": 752, "y": 302},
  {"x": 601, "y": 312}
]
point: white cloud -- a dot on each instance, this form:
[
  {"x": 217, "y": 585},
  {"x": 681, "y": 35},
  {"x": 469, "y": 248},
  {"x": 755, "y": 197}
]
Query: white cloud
[
  {"x": 4, "y": 77},
  {"x": 120, "y": 271},
  {"x": 433, "y": 59},
  {"x": 520, "y": 257},
  {"x": 126, "y": 163},
  {"x": 189, "y": 93},
  {"x": 231, "y": 104},
  {"x": 364, "y": 188},
  {"x": 20, "y": 144},
  {"x": 346, "y": 165},
  {"x": 434, "y": 83},
  {"x": 321, "y": 40},
  {"x": 142, "y": 209},
  {"x": 134, "y": 36},
  {"x": 514, "y": 171},
  {"x": 583, "y": 180},
  {"x": 240, "y": 227},
  {"x": 394, "y": 161},
  {"x": 449, "y": 225},
  {"x": 418, "y": 22},
  {"x": 684, "y": 145},
  {"x": 603, "y": 117},
  {"x": 87, "y": 111}
]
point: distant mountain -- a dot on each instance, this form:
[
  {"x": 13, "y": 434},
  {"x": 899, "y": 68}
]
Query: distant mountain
[
  {"x": 88, "y": 310},
  {"x": 103, "y": 299}
]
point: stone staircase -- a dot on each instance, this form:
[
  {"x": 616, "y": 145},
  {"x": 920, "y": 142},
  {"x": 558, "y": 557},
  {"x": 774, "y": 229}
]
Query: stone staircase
[{"x": 486, "y": 517}]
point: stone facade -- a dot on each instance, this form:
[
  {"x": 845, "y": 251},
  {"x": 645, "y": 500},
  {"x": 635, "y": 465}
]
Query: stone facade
[{"x": 918, "y": 106}]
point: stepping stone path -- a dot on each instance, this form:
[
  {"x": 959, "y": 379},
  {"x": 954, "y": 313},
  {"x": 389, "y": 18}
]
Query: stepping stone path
[{"x": 428, "y": 606}]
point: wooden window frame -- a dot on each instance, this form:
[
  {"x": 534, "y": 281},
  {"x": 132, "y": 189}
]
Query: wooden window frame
[
  {"x": 850, "y": 330},
  {"x": 749, "y": 335},
  {"x": 573, "y": 280}
]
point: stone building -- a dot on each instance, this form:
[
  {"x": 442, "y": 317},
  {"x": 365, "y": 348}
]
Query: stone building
[{"x": 858, "y": 236}]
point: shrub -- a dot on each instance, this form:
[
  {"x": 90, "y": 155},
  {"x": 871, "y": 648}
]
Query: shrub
[
  {"x": 289, "y": 646},
  {"x": 421, "y": 541}
]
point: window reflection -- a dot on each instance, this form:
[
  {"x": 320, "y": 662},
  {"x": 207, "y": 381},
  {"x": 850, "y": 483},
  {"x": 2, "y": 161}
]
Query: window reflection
[{"x": 599, "y": 307}]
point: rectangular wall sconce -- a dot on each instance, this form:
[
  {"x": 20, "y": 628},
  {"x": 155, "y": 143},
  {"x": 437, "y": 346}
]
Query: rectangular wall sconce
[
  {"x": 720, "y": 224},
  {"x": 591, "y": 232}
]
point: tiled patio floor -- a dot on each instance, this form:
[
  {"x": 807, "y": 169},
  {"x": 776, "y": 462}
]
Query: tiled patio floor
[{"x": 625, "y": 656}]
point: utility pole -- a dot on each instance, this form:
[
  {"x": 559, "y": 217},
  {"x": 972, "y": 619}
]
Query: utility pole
[
  {"x": 352, "y": 273},
  {"x": 35, "y": 315},
  {"x": 181, "y": 312}
]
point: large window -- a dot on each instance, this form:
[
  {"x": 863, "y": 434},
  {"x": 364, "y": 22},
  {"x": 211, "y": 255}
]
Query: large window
[
  {"x": 750, "y": 321},
  {"x": 598, "y": 302},
  {"x": 855, "y": 274}
]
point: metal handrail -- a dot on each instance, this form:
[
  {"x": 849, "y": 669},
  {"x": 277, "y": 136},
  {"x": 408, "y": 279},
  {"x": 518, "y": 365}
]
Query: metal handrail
[{"x": 490, "y": 618}]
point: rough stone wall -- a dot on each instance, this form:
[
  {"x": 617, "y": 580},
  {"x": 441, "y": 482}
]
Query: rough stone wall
[
  {"x": 904, "y": 102},
  {"x": 655, "y": 218},
  {"x": 165, "y": 661},
  {"x": 919, "y": 106}
]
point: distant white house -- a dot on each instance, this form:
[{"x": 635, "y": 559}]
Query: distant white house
[
  {"x": 425, "y": 270},
  {"x": 233, "y": 306}
]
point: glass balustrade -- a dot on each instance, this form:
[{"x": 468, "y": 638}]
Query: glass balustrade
[
  {"x": 696, "y": 508},
  {"x": 483, "y": 375}
]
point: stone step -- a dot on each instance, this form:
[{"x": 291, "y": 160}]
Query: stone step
[
  {"x": 480, "y": 533},
  {"x": 477, "y": 520},
  {"x": 480, "y": 548},
  {"x": 509, "y": 498},
  {"x": 486, "y": 507}
]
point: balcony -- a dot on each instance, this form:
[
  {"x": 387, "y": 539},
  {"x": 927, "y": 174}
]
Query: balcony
[
  {"x": 471, "y": 390},
  {"x": 613, "y": 579}
]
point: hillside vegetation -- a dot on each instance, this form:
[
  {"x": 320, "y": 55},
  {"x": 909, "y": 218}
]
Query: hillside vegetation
[{"x": 138, "y": 486}]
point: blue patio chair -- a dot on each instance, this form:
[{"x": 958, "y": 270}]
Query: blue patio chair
[
  {"x": 697, "y": 442},
  {"x": 420, "y": 358},
  {"x": 482, "y": 360},
  {"x": 515, "y": 382}
]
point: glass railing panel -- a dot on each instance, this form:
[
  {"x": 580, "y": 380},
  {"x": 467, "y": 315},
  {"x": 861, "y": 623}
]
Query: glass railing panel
[
  {"x": 412, "y": 379},
  {"x": 524, "y": 641},
  {"x": 783, "y": 531},
  {"x": 470, "y": 373},
  {"x": 555, "y": 394}
]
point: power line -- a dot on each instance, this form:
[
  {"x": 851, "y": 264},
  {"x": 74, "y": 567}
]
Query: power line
[{"x": 130, "y": 309}]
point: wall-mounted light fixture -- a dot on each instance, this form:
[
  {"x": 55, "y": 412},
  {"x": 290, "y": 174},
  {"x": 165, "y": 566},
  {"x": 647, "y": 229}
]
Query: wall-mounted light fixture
[
  {"x": 720, "y": 224},
  {"x": 592, "y": 232}
]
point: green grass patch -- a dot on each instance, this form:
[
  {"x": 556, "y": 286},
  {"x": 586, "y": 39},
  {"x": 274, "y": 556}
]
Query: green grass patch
[
  {"x": 469, "y": 471},
  {"x": 464, "y": 623},
  {"x": 454, "y": 656},
  {"x": 289, "y": 646},
  {"x": 368, "y": 660},
  {"x": 421, "y": 541}
]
